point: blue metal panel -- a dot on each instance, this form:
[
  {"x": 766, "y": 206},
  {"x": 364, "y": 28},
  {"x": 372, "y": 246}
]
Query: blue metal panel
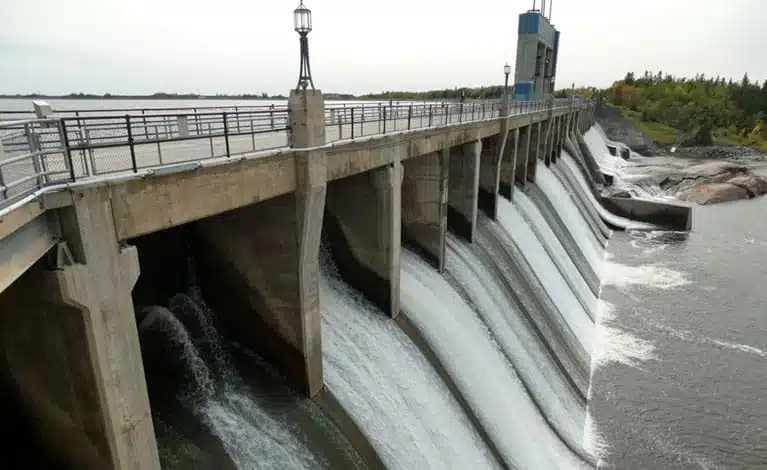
[
  {"x": 556, "y": 54},
  {"x": 523, "y": 91},
  {"x": 528, "y": 23}
]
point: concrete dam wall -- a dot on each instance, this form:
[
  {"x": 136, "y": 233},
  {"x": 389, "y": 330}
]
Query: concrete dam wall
[{"x": 352, "y": 271}]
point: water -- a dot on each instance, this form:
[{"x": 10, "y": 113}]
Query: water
[
  {"x": 681, "y": 352},
  {"x": 481, "y": 371},
  {"x": 545, "y": 233},
  {"x": 585, "y": 238},
  {"x": 383, "y": 381},
  {"x": 224, "y": 410}
]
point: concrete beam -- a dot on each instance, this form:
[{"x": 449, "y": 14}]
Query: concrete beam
[
  {"x": 97, "y": 293},
  {"x": 364, "y": 228},
  {"x": 510, "y": 169},
  {"x": 424, "y": 205},
  {"x": 16, "y": 219},
  {"x": 667, "y": 215},
  {"x": 25, "y": 246},
  {"x": 463, "y": 192}
]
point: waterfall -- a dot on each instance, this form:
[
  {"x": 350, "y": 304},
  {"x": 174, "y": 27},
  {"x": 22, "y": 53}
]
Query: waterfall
[
  {"x": 384, "y": 382},
  {"x": 545, "y": 234},
  {"x": 571, "y": 216},
  {"x": 582, "y": 187},
  {"x": 475, "y": 361}
]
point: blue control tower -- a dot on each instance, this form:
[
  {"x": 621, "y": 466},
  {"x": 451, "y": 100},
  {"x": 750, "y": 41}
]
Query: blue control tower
[{"x": 537, "y": 48}]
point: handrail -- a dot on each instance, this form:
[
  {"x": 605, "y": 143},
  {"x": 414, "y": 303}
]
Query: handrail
[{"x": 45, "y": 153}]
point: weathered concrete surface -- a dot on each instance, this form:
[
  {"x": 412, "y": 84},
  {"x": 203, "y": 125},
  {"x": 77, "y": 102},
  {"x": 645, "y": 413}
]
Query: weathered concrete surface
[
  {"x": 671, "y": 216},
  {"x": 523, "y": 155},
  {"x": 72, "y": 345},
  {"x": 156, "y": 203},
  {"x": 307, "y": 118},
  {"x": 16, "y": 219},
  {"x": 490, "y": 167},
  {"x": 363, "y": 222},
  {"x": 260, "y": 273},
  {"x": 20, "y": 249},
  {"x": 463, "y": 189},
  {"x": 511, "y": 170},
  {"x": 534, "y": 151},
  {"x": 424, "y": 205}
]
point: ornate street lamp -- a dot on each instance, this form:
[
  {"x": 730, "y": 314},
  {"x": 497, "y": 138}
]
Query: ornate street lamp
[
  {"x": 302, "y": 23},
  {"x": 506, "y": 71}
]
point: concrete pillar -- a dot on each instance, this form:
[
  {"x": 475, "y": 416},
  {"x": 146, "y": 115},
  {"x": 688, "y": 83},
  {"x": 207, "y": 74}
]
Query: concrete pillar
[
  {"x": 588, "y": 158},
  {"x": 71, "y": 345},
  {"x": 364, "y": 227},
  {"x": 509, "y": 166},
  {"x": 523, "y": 154},
  {"x": 424, "y": 204},
  {"x": 533, "y": 155},
  {"x": 463, "y": 190},
  {"x": 491, "y": 165},
  {"x": 260, "y": 264},
  {"x": 547, "y": 140}
]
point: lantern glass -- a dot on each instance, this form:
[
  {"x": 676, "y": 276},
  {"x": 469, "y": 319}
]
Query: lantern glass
[
  {"x": 507, "y": 69},
  {"x": 302, "y": 19}
]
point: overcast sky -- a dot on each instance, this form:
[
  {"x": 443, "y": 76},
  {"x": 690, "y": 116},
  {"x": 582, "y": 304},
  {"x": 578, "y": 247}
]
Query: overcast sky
[{"x": 237, "y": 46}]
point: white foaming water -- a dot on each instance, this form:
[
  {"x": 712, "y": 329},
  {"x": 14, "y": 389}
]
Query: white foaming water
[
  {"x": 571, "y": 216},
  {"x": 651, "y": 275},
  {"x": 546, "y": 271},
  {"x": 547, "y": 385},
  {"x": 608, "y": 216},
  {"x": 480, "y": 370},
  {"x": 558, "y": 253},
  {"x": 253, "y": 438},
  {"x": 389, "y": 388}
]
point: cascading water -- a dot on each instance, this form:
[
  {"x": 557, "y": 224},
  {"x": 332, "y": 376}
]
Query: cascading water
[
  {"x": 572, "y": 170},
  {"x": 383, "y": 381},
  {"x": 570, "y": 214},
  {"x": 545, "y": 233},
  {"x": 245, "y": 420}
]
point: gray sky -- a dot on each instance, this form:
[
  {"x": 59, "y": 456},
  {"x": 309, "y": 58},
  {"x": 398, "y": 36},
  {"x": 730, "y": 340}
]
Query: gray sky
[{"x": 236, "y": 46}]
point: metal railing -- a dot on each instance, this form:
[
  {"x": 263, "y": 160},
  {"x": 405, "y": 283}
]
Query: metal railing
[{"x": 36, "y": 153}]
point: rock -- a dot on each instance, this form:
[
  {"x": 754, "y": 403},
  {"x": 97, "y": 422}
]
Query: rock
[
  {"x": 756, "y": 185},
  {"x": 713, "y": 193}
]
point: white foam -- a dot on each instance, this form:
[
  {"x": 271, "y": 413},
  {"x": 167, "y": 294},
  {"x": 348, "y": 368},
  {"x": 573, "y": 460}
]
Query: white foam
[
  {"x": 650, "y": 275},
  {"x": 615, "y": 345},
  {"x": 692, "y": 337},
  {"x": 546, "y": 271},
  {"x": 481, "y": 372},
  {"x": 390, "y": 390}
]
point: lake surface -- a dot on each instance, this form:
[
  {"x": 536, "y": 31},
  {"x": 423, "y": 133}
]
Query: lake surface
[{"x": 683, "y": 371}]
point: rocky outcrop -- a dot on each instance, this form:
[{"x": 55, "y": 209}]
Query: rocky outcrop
[{"x": 713, "y": 183}]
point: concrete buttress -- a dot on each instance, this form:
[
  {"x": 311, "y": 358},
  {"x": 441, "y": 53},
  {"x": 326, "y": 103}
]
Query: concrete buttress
[
  {"x": 261, "y": 262},
  {"x": 424, "y": 204},
  {"x": 463, "y": 190},
  {"x": 364, "y": 226},
  {"x": 510, "y": 169},
  {"x": 73, "y": 349}
]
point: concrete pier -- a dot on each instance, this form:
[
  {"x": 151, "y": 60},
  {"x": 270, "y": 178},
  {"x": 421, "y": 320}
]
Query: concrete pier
[
  {"x": 493, "y": 162},
  {"x": 262, "y": 261},
  {"x": 523, "y": 155},
  {"x": 364, "y": 227},
  {"x": 463, "y": 189},
  {"x": 72, "y": 349},
  {"x": 510, "y": 165},
  {"x": 534, "y": 151},
  {"x": 424, "y": 204}
]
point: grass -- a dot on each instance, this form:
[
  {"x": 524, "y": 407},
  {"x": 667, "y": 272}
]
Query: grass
[{"x": 658, "y": 132}]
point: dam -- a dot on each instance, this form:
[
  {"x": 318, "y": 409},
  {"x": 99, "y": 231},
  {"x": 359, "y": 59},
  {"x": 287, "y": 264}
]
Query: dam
[{"x": 421, "y": 280}]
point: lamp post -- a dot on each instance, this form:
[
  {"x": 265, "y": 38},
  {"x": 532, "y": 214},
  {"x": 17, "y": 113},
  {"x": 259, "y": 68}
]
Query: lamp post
[
  {"x": 506, "y": 71},
  {"x": 302, "y": 23}
]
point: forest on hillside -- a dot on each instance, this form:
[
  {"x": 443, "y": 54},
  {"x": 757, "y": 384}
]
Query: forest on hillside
[{"x": 696, "y": 111}]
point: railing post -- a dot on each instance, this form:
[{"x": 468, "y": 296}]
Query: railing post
[
  {"x": 130, "y": 144},
  {"x": 447, "y": 114},
  {"x": 68, "y": 151},
  {"x": 146, "y": 131},
  {"x": 384, "y": 120},
  {"x": 226, "y": 134},
  {"x": 362, "y": 122},
  {"x": 340, "y": 120},
  {"x": 430, "y": 114},
  {"x": 409, "y": 116},
  {"x": 237, "y": 114},
  {"x": 271, "y": 115},
  {"x": 352, "y": 122}
]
